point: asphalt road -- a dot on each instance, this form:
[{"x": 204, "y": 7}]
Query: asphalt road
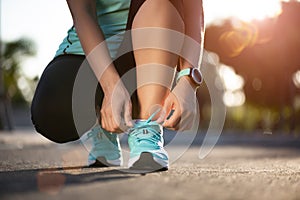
[{"x": 239, "y": 167}]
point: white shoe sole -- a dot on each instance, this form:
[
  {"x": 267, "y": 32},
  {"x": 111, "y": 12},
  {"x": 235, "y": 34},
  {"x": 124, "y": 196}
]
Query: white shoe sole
[{"x": 102, "y": 162}]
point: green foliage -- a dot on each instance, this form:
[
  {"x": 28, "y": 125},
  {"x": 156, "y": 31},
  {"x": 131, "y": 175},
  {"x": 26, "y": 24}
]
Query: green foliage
[{"x": 13, "y": 54}]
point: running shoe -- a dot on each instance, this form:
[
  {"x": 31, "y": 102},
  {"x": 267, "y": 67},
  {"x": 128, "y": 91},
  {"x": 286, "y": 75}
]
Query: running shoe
[
  {"x": 146, "y": 142},
  {"x": 106, "y": 149}
]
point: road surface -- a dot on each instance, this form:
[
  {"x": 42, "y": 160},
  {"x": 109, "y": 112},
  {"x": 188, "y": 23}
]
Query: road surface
[{"x": 239, "y": 167}]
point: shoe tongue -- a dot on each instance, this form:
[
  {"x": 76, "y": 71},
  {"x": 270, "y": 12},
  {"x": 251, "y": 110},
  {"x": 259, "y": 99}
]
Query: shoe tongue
[{"x": 145, "y": 124}]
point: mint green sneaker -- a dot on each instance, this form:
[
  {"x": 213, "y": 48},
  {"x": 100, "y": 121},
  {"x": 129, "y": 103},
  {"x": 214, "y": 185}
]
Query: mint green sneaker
[
  {"x": 146, "y": 142},
  {"x": 106, "y": 149}
]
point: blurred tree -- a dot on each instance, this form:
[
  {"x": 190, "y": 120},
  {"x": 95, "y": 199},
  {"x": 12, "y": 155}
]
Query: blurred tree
[
  {"x": 12, "y": 55},
  {"x": 265, "y": 53}
]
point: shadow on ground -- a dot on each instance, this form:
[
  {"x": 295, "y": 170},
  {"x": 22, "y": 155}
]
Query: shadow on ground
[{"x": 52, "y": 180}]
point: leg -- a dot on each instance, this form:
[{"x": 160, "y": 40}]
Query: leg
[
  {"x": 162, "y": 14},
  {"x": 155, "y": 74},
  {"x": 52, "y": 112},
  {"x": 52, "y": 103}
]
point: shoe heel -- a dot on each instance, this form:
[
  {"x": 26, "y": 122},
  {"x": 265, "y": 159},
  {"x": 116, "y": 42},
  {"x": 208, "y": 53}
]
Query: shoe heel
[{"x": 147, "y": 163}]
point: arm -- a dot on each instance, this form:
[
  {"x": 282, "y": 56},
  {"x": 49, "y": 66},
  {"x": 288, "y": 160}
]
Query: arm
[
  {"x": 194, "y": 28},
  {"x": 183, "y": 99},
  {"x": 90, "y": 35},
  {"x": 116, "y": 98}
]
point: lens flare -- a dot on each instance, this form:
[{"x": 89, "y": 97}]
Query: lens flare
[
  {"x": 296, "y": 79},
  {"x": 243, "y": 35}
]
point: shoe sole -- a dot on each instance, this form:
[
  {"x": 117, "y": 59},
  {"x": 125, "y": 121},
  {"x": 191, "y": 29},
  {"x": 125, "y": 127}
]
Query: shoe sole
[
  {"x": 147, "y": 163},
  {"x": 102, "y": 162}
]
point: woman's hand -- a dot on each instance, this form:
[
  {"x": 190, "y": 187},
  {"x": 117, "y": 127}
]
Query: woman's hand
[
  {"x": 115, "y": 113},
  {"x": 182, "y": 100}
]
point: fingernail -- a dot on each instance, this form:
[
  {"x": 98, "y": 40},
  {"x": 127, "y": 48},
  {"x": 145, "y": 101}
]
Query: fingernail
[
  {"x": 130, "y": 124},
  {"x": 159, "y": 120}
]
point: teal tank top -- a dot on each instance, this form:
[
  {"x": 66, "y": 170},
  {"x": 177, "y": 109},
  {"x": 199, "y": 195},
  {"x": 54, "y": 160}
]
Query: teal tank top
[{"x": 112, "y": 18}]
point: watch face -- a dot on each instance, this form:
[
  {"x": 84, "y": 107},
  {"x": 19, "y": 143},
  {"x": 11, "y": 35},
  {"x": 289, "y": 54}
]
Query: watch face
[{"x": 197, "y": 76}]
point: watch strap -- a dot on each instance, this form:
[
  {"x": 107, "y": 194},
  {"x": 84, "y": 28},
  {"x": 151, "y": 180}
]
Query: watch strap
[{"x": 184, "y": 72}]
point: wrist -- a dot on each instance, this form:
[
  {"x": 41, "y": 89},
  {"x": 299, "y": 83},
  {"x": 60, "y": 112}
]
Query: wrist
[
  {"x": 192, "y": 75},
  {"x": 109, "y": 79},
  {"x": 191, "y": 82},
  {"x": 184, "y": 64}
]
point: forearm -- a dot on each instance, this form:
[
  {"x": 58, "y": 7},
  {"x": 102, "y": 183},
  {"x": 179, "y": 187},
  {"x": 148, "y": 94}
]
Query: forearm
[
  {"x": 194, "y": 30},
  {"x": 93, "y": 41}
]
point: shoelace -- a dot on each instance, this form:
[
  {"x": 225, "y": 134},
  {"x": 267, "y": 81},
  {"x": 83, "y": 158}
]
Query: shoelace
[
  {"x": 142, "y": 125},
  {"x": 96, "y": 131}
]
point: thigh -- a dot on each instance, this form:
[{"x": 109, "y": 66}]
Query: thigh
[
  {"x": 134, "y": 8},
  {"x": 51, "y": 107}
]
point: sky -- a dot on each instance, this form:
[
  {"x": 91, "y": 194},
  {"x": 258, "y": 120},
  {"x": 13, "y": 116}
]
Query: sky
[
  {"x": 46, "y": 22},
  {"x": 43, "y": 21}
]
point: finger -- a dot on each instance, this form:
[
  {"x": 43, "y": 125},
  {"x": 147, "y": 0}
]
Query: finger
[
  {"x": 187, "y": 120},
  {"x": 173, "y": 117},
  {"x": 115, "y": 121},
  {"x": 103, "y": 122},
  {"x": 114, "y": 125},
  {"x": 173, "y": 126},
  {"x": 165, "y": 110},
  {"x": 106, "y": 119},
  {"x": 170, "y": 114},
  {"x": 174, "y": 120},
  {"x": 162, "y": 116},
  {"x": 128, "y": 114}
]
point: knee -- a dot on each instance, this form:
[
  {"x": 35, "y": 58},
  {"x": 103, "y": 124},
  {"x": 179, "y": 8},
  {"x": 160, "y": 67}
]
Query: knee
[
  {"x": 51, "y": 123},
  {"x": 168, "y": 14}
]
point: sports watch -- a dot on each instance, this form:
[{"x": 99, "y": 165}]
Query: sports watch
[{"x": 194, "y": 73}]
